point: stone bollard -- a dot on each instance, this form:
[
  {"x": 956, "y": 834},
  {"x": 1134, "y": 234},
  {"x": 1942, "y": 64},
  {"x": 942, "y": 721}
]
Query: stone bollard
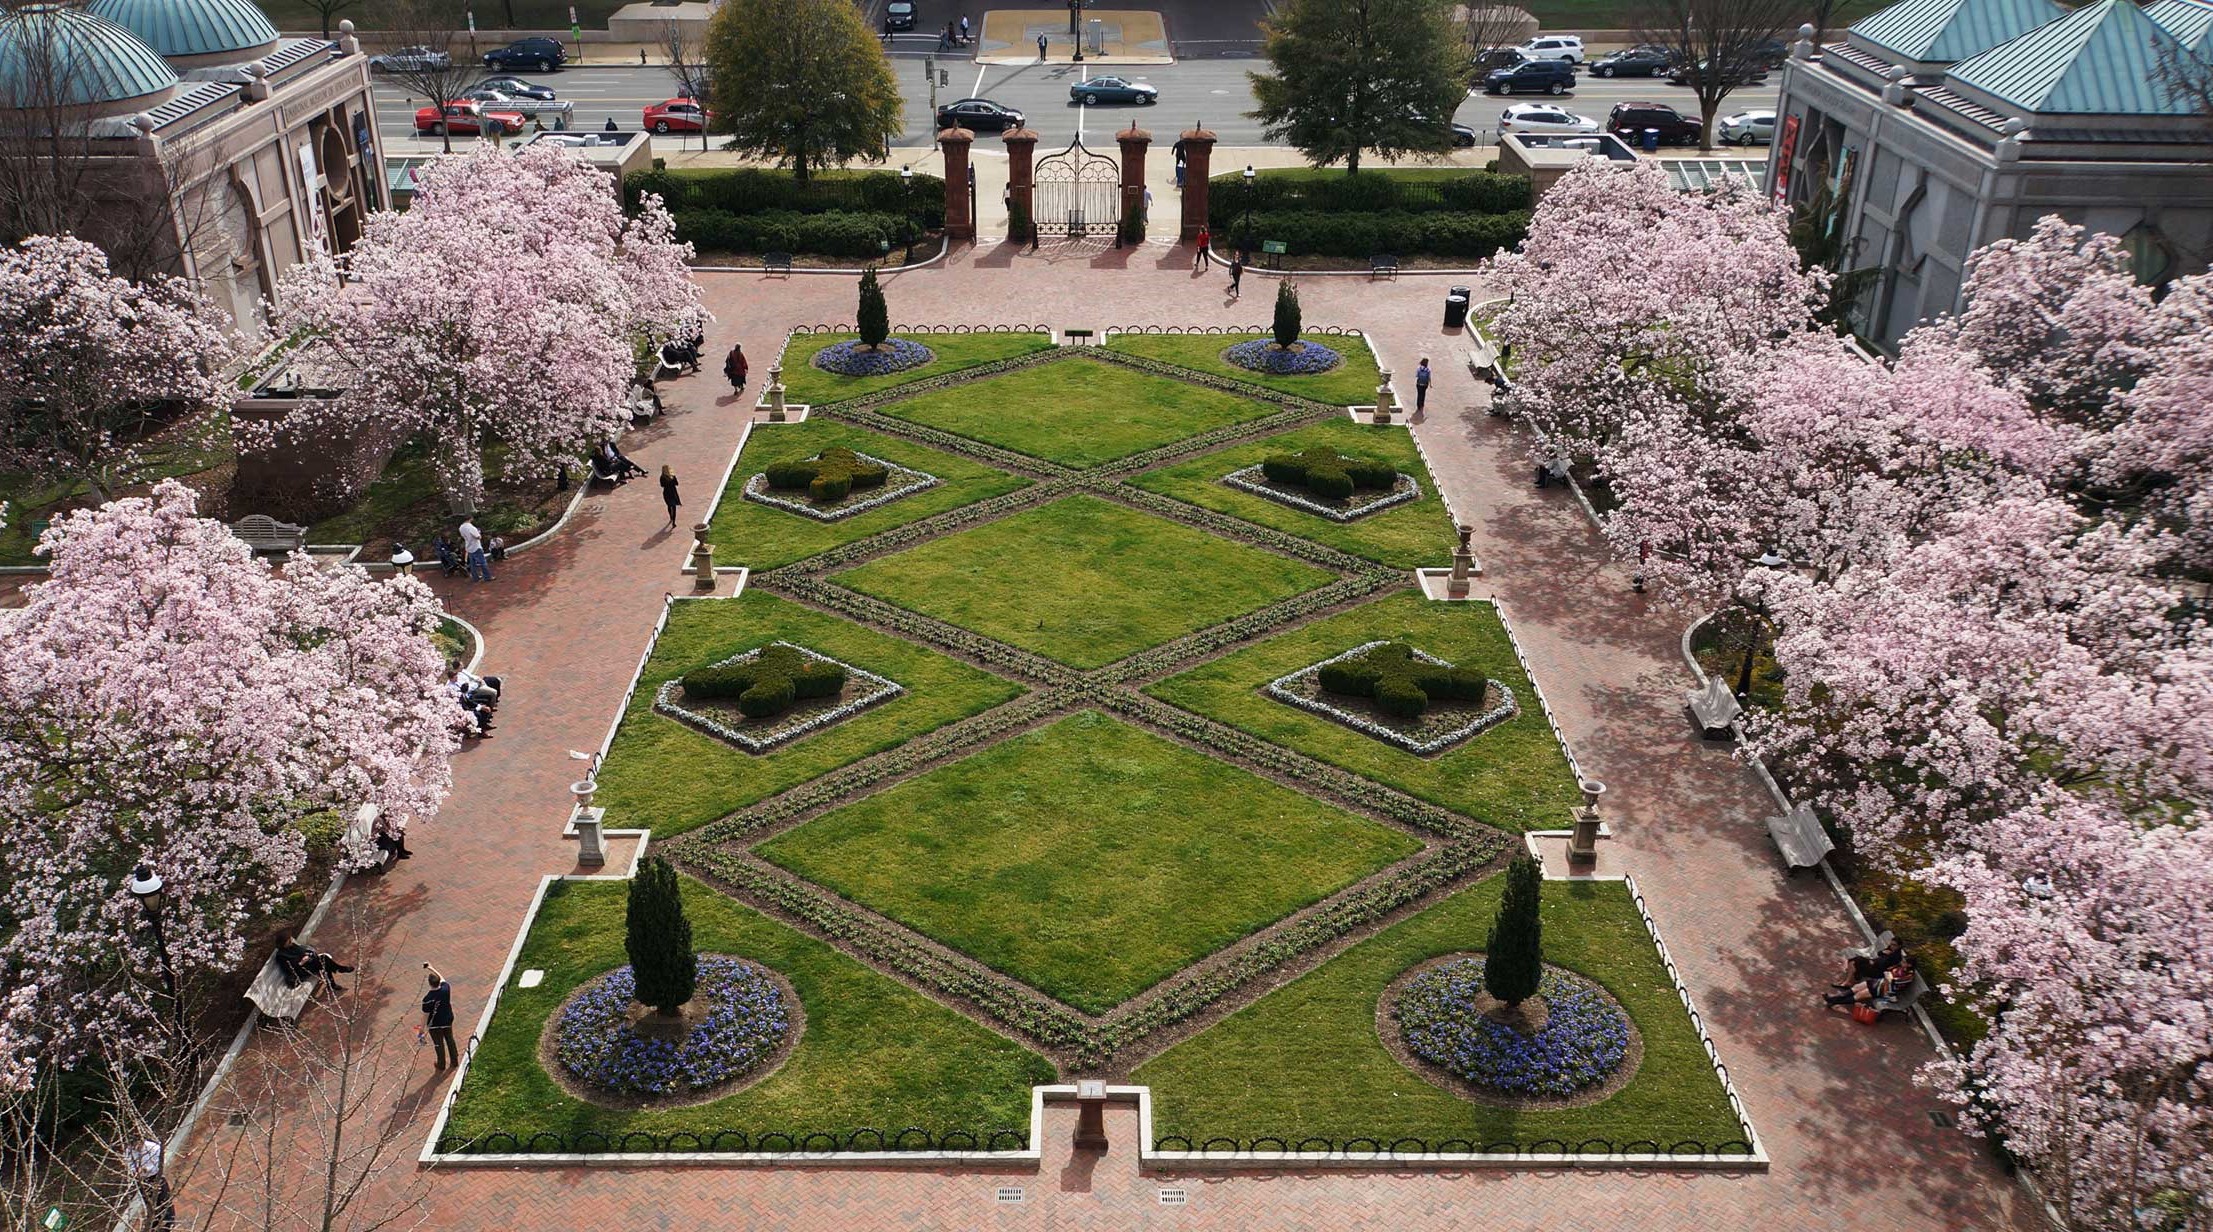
[
  {"x": 703, "y": 559},
  {"x": 776, "y": 392},
  {"x": 590, "y": 849}
]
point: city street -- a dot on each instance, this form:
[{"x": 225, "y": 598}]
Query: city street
[{"x": 1210, "y": 91}]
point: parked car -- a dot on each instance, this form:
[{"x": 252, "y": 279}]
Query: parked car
[
  {"x": 1544, "y": 118},
  {"x": 1747, "y": 128},
  {"x": 1633, "y": 62},
  {"x": 677, "y": 115},
  {"x": 1629, "y": 120},
  {"x": 410, "y": 60},
  {"x": 500, "y": 100},
  {"x": 1491, "y": 59},
  {"x": 1113, "y": 90},
  {"x": 1744, "y": 73},
  {"x": 516, "y": 87},
  {"x": 1534, "y": 77},
  {"x": 1769, "y": 54},
  {"x": 978, "y": 113},
  {"x": 1463, "y": 136},
  {"x": 898, "y": 15},
  {"x": 1568, "y": 47},
  {"x": 463, "y": 118},
  {"x": 542, "y": 54}
]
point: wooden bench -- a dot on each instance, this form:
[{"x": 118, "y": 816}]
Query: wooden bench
[
  {"x": 1799, "y": 836},
  {"x": 1380, "y": 264},
  {"x": 1713, "y": 708},
  {"x": 776, "y": 263},
  {"x": 277, "y": 1000},
  {"x": 1076, "y": 337},
  {"x": 263, "y": 533}
]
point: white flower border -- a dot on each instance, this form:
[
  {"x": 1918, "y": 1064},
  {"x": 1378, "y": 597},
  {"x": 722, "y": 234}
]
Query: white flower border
[
  {"x": 664, "y": 703},
  {"x": 757, "y": 489},
  {"x": 1242, "y": 479},
  {"x": 1280, "y": 689}
]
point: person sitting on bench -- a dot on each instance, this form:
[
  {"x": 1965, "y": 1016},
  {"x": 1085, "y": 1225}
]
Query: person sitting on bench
[
  {"x": 1891, "y": 984},
  {"x": 481, "y": 690},
  {"x": 623, "y": 467},
  {"x": 449, "y": 557},
  {"x": 298, "y": 962},
  {"x": 1859, "y": 968},
  {"x": 644, "y": 400}
]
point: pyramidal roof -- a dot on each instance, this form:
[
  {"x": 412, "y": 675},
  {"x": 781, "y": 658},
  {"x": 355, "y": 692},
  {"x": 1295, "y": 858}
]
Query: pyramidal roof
[
  {"x": 1942, "y": 31},
  {"x": 2101, "y": 59},
  {"x": 2190, "y": 21}
]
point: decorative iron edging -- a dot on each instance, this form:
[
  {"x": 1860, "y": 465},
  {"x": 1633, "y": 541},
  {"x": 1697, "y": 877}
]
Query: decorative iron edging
[{"x": 1697, "y": 1021}]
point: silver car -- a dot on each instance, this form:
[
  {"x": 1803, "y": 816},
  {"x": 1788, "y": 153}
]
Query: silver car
[
  {"x": 410, "y": 60},
  {"x": 1747, "y": 128}
]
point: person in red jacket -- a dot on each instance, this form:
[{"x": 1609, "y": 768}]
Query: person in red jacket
[{"x": 735, "y": 368}]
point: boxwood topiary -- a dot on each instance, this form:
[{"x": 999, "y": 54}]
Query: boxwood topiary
[
  {"x": 1327, "y": 473},
  {"x": 768, "y": 683},
  {"x": 829, "y": 475},
  {"x": 1400, "y": 684}
]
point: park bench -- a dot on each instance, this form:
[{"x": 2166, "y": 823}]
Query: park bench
[
  {"x": 1713, "y": 708},
  {"x": 263, "y": 533},
  {"x": 1076, "y": 337},
  {"x": 1380, "y": 264},
  {"x": 776, "y": 263},
  {"x": 1799, "y": 836},
  {"x": 1902, "y": 1003},
  {"x": 276, "y": 999}
]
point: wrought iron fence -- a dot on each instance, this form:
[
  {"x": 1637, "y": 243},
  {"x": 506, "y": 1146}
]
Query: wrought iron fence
[
  {"x": 1405, "y": 1148},
  {"x": 820, "y": 328},
  {"x": 732, "y": 1141},
  {"x": 1325, "y": 331}
]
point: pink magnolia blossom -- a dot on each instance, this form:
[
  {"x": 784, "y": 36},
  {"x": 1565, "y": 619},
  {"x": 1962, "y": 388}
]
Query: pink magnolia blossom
[
  {"x": 167, "y": 698},
  {"x": 505, "y": 307},
  {"x": 90, "y": 362}
]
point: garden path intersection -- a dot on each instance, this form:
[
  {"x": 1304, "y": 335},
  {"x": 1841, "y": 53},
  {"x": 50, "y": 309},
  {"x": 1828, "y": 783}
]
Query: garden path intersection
[{"x": 1851, "y": 1143}]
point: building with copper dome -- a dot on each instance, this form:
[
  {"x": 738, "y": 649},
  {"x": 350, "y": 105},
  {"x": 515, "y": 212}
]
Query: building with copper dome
[{"x": 187, "y": 136}]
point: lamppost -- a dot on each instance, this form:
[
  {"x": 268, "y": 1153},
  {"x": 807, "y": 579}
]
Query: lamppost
[
  {"x": 906, "y": 197},
  {"x": 145, "y": 885},
  {"x": 1244, "y": 239},
  {"x": 1767, "y": 560}
]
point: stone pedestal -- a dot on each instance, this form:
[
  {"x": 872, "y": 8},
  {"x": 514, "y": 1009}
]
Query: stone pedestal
[
  {"x": 959, "y": 224},
  {"x": 1583, "y": 843},
  {"x": 590, "y": 849},
  {"x": 776, "y": 392},
  {"x": 1091, "y": 1115},
  {"x": 1022, "y": 178},
  {"x": 1198, "y": 163},
  {"x": 1463, "y": 564},
  {"x": 703, "y": 559},
  {"x": 1134, "y": 142},
  {"x": 1386, "y": 403}
]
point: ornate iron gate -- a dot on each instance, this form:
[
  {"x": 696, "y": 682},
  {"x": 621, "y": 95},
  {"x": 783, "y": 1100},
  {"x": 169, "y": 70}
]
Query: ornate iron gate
[{"x": 1078, "y": 192}]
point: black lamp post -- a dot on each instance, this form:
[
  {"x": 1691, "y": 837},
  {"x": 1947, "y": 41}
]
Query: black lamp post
[
  {"x": 906, "y": 196},
  {"x": 146, "y": 885},
  {"x": 1767, "y": 560},
  {"x": 1244, "y": 240}
]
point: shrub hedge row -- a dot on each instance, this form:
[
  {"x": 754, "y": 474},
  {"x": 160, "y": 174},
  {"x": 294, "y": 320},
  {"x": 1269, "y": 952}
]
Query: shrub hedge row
[
  {"x": 829, "y": 475},
  {"x": 1327, "y": 473},
  {"x": 1400, "y": 683},
  {"x": 839, "y": 234},
  {"x": 753, "y": 190},
  {"x": 768, "y": 683},
  {"x": 1445, "y": 234},
  {"x": 1477, "y": 192}
]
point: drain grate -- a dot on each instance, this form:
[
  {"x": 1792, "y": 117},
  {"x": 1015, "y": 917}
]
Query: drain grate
[
  {"x": 1009, "y": 1194},
  {"x": 1942, "y": 1119},
  {"x": 1173, "y": 1197}
]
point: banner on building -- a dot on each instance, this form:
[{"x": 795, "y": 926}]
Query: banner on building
[{"x": 1786, "y": 148}]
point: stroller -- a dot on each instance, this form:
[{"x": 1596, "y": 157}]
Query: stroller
[{"x": 449, "y": 557}]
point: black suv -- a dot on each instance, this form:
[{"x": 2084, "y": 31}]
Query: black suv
[
  {"x": 1633, "y": 62},
  {"x": 541, "y": 54},
  {"x": 899, "y": 15},
  {"x": 1535, "y": 77},
  {"x": 1629, "y": 120}
]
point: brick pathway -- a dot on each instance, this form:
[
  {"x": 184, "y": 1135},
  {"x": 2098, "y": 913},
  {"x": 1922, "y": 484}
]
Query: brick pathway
[{"x": 1852, "y": 1139}]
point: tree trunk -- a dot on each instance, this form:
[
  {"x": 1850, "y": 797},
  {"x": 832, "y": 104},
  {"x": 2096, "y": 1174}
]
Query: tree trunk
[
  {"x": 1706, "y": 110},
  {"x": 1352, "y": 163}
]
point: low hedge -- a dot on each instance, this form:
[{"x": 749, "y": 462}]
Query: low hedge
[
  {"x": 768, "y": 683},
  {"x": 1403, "y": 233},
  {"x": 833, "y": 234},
  {"x": 753, "y": 190},
  {"x": 1369, "y": 192}
]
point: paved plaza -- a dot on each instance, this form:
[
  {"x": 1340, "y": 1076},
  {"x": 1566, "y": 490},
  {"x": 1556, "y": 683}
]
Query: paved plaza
[{"x": 1854, "y": 1143}]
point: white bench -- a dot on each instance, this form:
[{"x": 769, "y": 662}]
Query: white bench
[
  {"x": 1714, "y": 708},
  {"x": 1799, "y": 836},
  {"x": 277, "y": 1000},
  {"x": 263, "y": 533},
  {"x": 1902, "y": 1003}
]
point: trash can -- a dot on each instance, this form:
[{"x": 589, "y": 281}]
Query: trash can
[
  {"x": 1652, "y": 141},
  {"x": 1456, "y": 307}
]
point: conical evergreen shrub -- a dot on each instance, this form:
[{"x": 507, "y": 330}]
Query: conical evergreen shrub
[
  {"x": 1514, "y": 958},
  {"x": 659, "y": 938},
  {"x": 874, "y": 314},
  {"x": 1287, "y": 314}
]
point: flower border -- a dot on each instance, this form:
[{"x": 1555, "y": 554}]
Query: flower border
[
  {"x": 1279, "y": 688},
  {"x": 1231, "y": 357},
  {"x": 851, "y": 346},
  {"x": 1407, "y": 489},
  {"x": 883, "y": 691},
  {"x": 757, "y": 489}
]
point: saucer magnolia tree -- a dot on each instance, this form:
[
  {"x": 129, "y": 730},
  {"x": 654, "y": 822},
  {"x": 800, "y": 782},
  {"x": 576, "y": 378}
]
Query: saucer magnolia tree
[
  {"x": 167, "y": 699},
  {"x": 505, "y": 307},
  {"x": 90, "y": 363}
]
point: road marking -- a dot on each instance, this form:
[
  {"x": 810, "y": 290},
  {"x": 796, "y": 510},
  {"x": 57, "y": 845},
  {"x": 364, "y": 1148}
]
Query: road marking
[{"x": 978, "y": 91}]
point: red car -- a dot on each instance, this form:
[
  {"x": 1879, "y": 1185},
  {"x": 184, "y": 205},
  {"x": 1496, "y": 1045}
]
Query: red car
[
  {"x": 463, "y": 118},
  {"x": 678, "y": 115}
]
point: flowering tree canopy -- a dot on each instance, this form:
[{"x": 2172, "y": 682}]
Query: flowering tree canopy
[
  {"x": 168, "y": 699},
  {"x": 506, "y": 306},
  {"x": 90, "y": 362}
]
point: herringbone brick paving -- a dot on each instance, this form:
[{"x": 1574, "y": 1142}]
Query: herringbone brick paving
[{"x": 1851, "y": 1138}]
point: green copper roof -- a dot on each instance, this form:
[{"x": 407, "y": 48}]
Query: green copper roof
[
  {"x": 77, "y": 57},
  {"x": 192, "y": 27},
  {"x": 2102, "y": 59},
  {"x": 1942, "y": 31},
  {"x": 2190, "y": 21}
]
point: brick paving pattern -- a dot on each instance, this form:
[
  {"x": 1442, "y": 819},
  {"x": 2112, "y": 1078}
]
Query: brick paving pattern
[{"x": 1852, "y": 1140}]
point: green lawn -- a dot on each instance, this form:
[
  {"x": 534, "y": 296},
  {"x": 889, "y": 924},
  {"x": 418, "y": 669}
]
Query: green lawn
[
  {"x": 1351, "y": 383},
  {"x": 750, "y": 533},
  {"x": 1320, "y": 1032},
  {"x": 664, "y": 775},
  {"x": 1512, "y": 776},
  {"x": 1407, "y": 536},
  {"x": 803, "y": 382},
  {"x": 875, "y": 1054},
  {"x": 1078, "y": 412},
  {"x": 1089, "y": 859},
  {"x": 1083, "y": 580}
]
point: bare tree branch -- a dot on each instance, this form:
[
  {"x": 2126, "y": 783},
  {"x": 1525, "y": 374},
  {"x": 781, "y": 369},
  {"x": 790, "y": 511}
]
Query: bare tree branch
[
  {"x": 1722, "y": 45},
  {"x": 434, "y": 71},
  {"x": 687, "y": 64}
]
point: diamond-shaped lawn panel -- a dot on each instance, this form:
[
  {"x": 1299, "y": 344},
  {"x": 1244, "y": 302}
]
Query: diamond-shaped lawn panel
[
  {"x": 1089, "y": 859},
  {"x": 1078, "y": 412},
  {"x": 1083, "y": 580}
]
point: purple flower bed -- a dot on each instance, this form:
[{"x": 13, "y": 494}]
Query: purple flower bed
[
  {"x": 1583, "y": 1040},
  {"x": 853, "y": 359},
  {"x": 745, "y": 1021},
  {"x": 1303, "y": 359}
]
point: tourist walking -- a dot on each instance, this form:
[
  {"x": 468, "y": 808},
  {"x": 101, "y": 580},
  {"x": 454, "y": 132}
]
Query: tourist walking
[
  {"x": 735, "y": 368},
  {"x": 1236, "y": 275},
  {"x": 438, "y": 1017},
  {"x": 668, "y": 494},
  {"x": 472, "y": 551},
  {"x": 1421, "y": 385},
  {"x": 1200, "y": 258}
]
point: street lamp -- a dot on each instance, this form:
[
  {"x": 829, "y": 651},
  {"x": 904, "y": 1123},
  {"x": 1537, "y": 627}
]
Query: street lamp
[
  {"x": 1767, "y": 560},
  {"x": 1244, "y": 240},
  {"x": 906, "y": 197},
  {"x": 145, "y": 885}
]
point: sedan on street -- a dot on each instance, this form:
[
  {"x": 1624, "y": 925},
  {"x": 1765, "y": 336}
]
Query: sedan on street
[
  {"x": 516, "y": 87},
  {"x": 976, "y": 114},
  {"x": 466, "y": 119},
  {"x": 677, "y": 115},
  {"x": 1544, "y": 118},
  {"x": 410, "y": 60},
  {"x": 1747, "y": 128},
  {"x": 1633, "y": 62},
  {"x": 1112, "y": 90}
]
